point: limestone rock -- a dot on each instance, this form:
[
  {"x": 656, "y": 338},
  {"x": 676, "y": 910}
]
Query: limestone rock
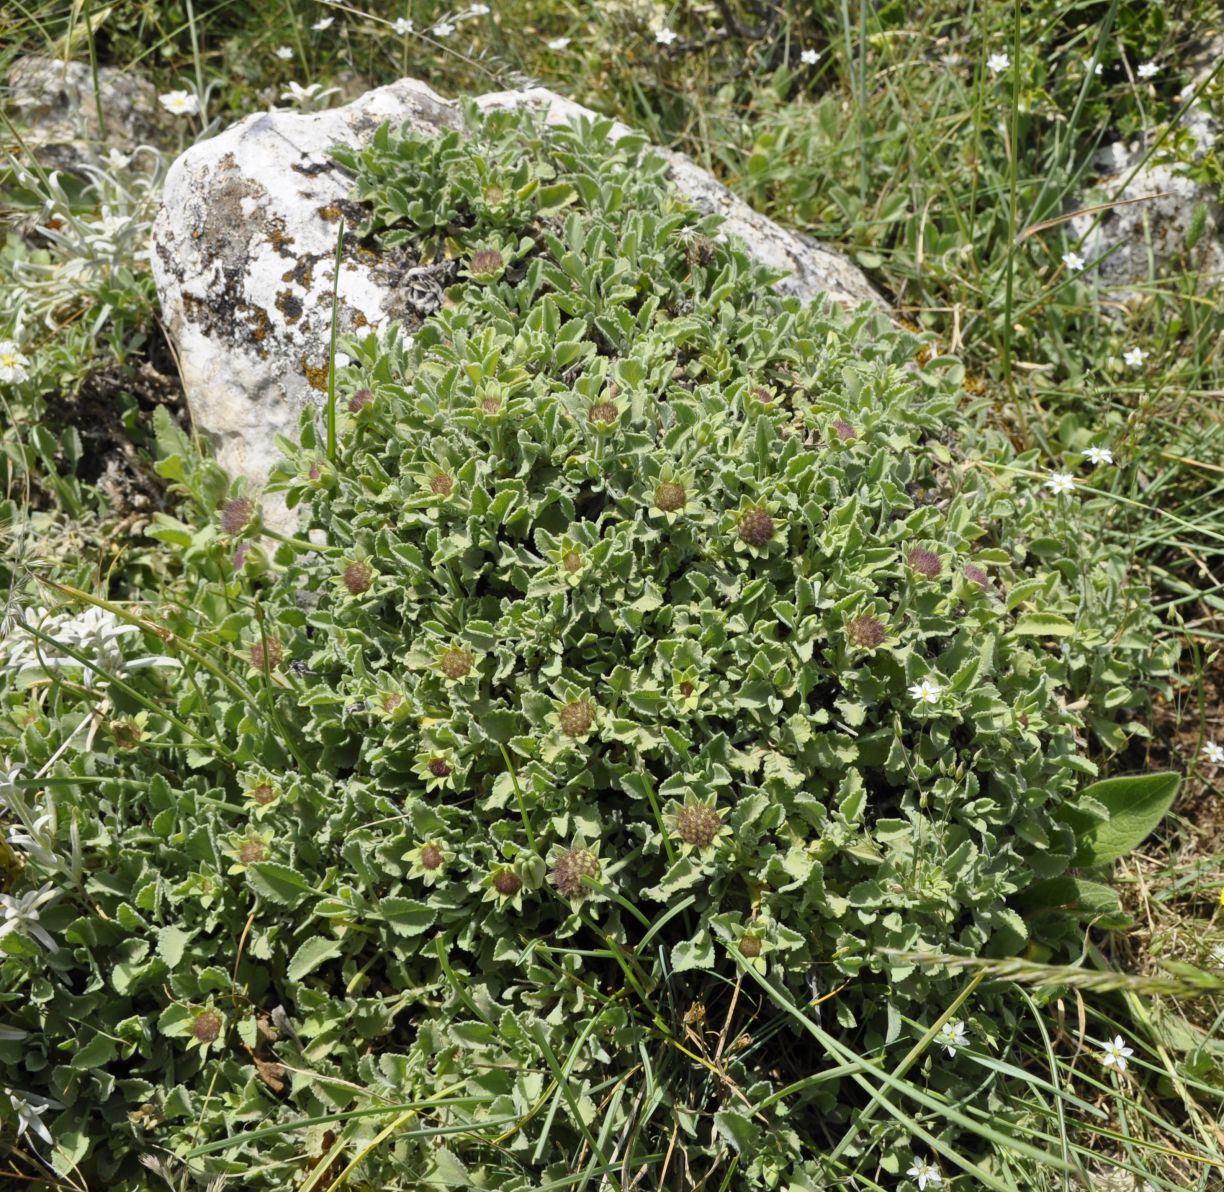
[
  {"x": 1138, "y": 242},
  {"x": 55, "y": 106},
  {"x": 245, "y": 244}
]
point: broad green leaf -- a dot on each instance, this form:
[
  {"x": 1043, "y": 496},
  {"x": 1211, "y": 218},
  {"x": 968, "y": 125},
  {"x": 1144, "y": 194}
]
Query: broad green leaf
[
  {"x": 171, "y": 944},
  {"x": 312, "y": 954},
  {"x": 1074, "y": 896},
  {"x": 737, "y": 1128},
  {"x": 278, "y": 882},
  {"x": 1135, "y": 806},
  {"x": 1043, "y": 625}
]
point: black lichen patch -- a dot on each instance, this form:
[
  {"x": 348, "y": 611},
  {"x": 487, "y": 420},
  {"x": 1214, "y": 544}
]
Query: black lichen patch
[
  {"x": 302, "y": 273},
  {"x": 314, "y": 168},
  {"x": 290, "y": 305},
  {"x": 279, "y": 240}
]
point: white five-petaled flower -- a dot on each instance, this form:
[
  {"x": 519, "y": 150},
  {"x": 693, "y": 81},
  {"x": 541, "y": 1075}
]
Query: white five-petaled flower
[
  {"x": 1147, "y": 70},
  {"x": 284, "y": 53},
  {"x": 1060, "y": 482},
  {"x": 1073, "y": 261},
  {"x": 925, "y": 1173},
  {"x": 323, "y": 23},
  {"x": 558, "y": 43},
  {"x": 401, "y": 26},
  {"x": 21, "y": 914},
  {"x": 443, "y": 29},
  {"x": 29, "y": 1115},
  {"x": 1098, "y": 455},
  {"x": 809, "y": 57},
  {"x": 180, "y": 103},
  {"x": 952, "y": 1035},
  {"x": 1213, "y": 754},
  {"x": 12, "y": 363},
  {"x": 1116, "y": 1053},
  {"x": 666, "y": 36},
  {"x": 926, "y": 692},
  {"x": 1134, "y": 357},
  {"x": 997, "y": 63}
]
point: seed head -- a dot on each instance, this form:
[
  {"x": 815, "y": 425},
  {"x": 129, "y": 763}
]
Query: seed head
[
  {"x": 975, "y": 575},
  {"x": 439, "y": 767},
  {"x": 456, "y": 663},
  {"x": 236, "y": 514},
  {"x": 358, "y": 577},
  {"x": 360, "y": 400},
  {"x": 756, "y": 527},
  {"x": 251, "y": 851},
  {"x": 268, "y": 651},
  {"x": 570, "y": 868},
  {"x": 687, "y": 689},
  {"x": 604, "y": 413},
  {"x": 866, "y": 631},
  {"x": 670, "y": 496},
  {"x": 700, "y": 250},
  {"x": 487, "y": 260},
  {"x": 925, "y": 562},
  {"x": 441, "y": 485},
  {"x": 577, "y": 717},
  {"x": 491, "y": 405},
  {"x": 750, "y": 947},
  {"x": 843, "y": 429},
  {"x": 431, "y": 857},
  {"x": 571, "y": 561},
  {"x": 698, "y": 825},
  {"x": 507, "y": 883},
  {"x": 207, "y": 1026},
  {"x": 263, "y": 794}
]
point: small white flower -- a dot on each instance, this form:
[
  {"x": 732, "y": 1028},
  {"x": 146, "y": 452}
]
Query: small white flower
[
  {"x": 558, "y": 43},
  {"x": 1116, "y": 1053},
  {"x": 926, "y": 692},
  {"x": 925, "y": 1173},
  {"x": 12, "y": 363},
  {"x": 306, "y": 96},
  {"x": 952, "y": 1035},
  {"x": 1098, "y": 456},
  {"x": 1134, "y": 357},
  {"x": 666, "y": 36},
  {"x": 1213, "y": 754},
  {"x": 402, "y": 27},
  {"x": 997, "y": 63},
  {"x": 443, "y": 29},
  {"x": 21, "y": 914},
  {"x": 116, "y": 161},
  {"x": 479, "y": 10},
  {"x": 1096, "y": 70},
  {"x": 29, "y": 1115},
  {"x": 180, "y": 103},
  {"x": 1060, "y": 482},
  {"x": 809, "y": 57},
  {"x": 1073, "y": 261},
  {"x": 284, "y": 53},
  {"x": 323, "y": 23},
  {"x": 1147, "y": 70}
]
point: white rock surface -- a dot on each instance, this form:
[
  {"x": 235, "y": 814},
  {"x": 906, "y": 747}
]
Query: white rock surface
[
  {"x": 1140, "y": 242},
  {"x": 56, "y": 108},
  {"x": 245, "y": 244}
]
